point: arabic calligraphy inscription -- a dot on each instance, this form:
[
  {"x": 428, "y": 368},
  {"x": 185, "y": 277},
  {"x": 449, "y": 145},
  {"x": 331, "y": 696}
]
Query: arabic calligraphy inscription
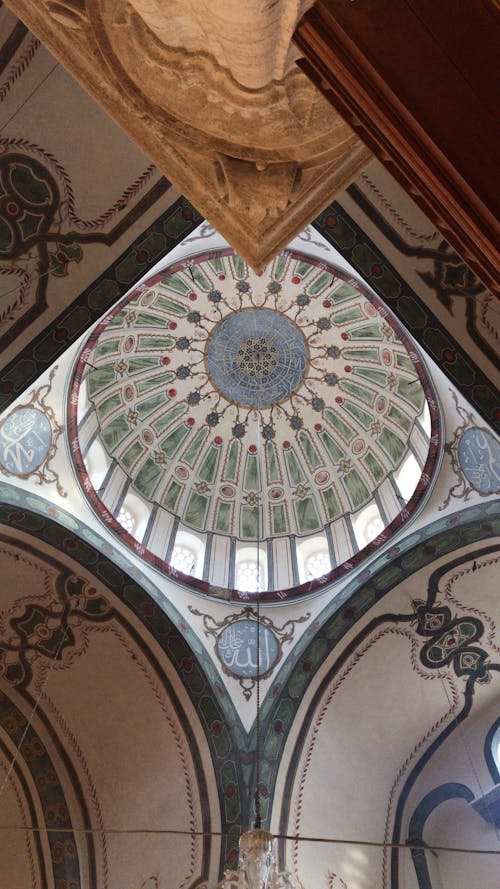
[
  {"x": 236, "y": 647},
  {"x": 475, "y": 458},
  {"x": 479, "y": 456},
  {"x": 25, "y": 439},
  {"x": 29, "y": 436},
  {"x": 235, "y": 643}
]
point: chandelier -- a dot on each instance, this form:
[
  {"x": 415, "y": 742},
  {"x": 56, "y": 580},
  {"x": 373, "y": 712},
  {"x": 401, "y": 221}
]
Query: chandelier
[{"x": 257, "y": 865}]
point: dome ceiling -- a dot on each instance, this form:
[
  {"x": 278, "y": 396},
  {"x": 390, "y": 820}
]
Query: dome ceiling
[{"x": 243, "y": 409}]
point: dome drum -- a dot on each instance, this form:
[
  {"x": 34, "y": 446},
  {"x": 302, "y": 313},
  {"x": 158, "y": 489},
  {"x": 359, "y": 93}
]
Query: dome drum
[{"x": 246, "y": 410}]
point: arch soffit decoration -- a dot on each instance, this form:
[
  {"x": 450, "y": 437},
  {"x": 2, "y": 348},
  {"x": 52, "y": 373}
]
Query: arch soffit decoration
[
  {"x": 225, "y": 735},
  {"x": 42, "y": 790},
  {"x": 468, "y": 661},
  {"x": 38, "y": 738},
  {"x": 417, "y": 823}
]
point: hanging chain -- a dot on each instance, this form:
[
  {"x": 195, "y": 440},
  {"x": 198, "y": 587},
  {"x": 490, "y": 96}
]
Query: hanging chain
[
  {"x": 258, "y": 820},
  {"x": 257, "y": 727}
]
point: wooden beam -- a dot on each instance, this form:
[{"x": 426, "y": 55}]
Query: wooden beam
[{"x": 418, "y": 81}]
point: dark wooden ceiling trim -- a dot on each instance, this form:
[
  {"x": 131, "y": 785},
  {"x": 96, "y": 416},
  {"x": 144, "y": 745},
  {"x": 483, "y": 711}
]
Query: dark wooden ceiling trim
[{"x": 420, "y": 94}]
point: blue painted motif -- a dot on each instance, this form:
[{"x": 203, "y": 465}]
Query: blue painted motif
[
  {"x": 25, "y": 439},
  {"x": 479, "y": 457},
  {"x": 257, "y": 357},
  {"x": 237, "y": 648}
]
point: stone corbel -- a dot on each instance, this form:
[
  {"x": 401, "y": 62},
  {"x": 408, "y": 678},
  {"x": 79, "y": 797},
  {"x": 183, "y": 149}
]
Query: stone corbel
[{"x": 209, "y": 89}]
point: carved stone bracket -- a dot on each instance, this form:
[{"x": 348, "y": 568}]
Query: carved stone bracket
[{"x": 210, "y": 90}]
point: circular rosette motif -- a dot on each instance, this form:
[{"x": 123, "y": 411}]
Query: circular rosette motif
[
  {"x": 256, "y": 357},
  {"x": 254, "y": 417}
]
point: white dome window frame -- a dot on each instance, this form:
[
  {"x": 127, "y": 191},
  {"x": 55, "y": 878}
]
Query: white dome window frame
[
  {"x": 408, "y": 476},
  {"x": 127, "y": 520},
  {"x": 187, "y": 545},
  {"x": 247, "y": 559},
  {"x": 310, "y": 549},
  {"x": 97, "y": 463},
  {"x": 367, "y": 525},
  {"x": 139, "y": 512}
]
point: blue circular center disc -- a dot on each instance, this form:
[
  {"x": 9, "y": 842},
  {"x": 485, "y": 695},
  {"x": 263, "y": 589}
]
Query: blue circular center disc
[{"x": 257, "y": 357}]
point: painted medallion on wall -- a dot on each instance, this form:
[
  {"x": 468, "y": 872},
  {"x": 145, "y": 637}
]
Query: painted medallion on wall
[
  {"x": 475, "y": 458},
  {"x": 239, "y": 651},
  {"x": 479, "y": 457},
  {"x": 285, "y": 412},
  {"x": 28, "y": 439}
]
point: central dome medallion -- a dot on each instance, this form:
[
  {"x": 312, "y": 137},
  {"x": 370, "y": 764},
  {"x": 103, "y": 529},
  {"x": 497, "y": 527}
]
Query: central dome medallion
[
  {"x": 253, "y": 433},
  {"x": 256, "y": 357}
]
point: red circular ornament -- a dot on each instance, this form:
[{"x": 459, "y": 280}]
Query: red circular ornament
[
  {"x": 348, "y": 369},
  {"x": 295, "y": 279},
  {"x": 339, "y": 400},
  {"x": 192, "y": 297},
  {"x": 286, "y": 444},
  {"x": 165, "y": 360},
  {"x": 318, "y": 427},
  {"x": 253, "y": 449},
  {"x": 222, "y": 277},
  {"x": 172, "y": 393},
  {"x": 218, "y": 440},
  {"x": 327, "y": 304},
  {"x": 190, "y": 421},
  {"x": 172, "y": 325},
  {"x": 344, "y": 335}
]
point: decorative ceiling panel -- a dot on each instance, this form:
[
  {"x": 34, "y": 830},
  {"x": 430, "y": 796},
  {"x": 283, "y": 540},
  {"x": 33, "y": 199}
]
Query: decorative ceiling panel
[
  {"x": 84, "y": 761},
  {"x": 67, "y": 209},
  {"x": 430, "y": 288},
  {"x": 255, "y": 407}
]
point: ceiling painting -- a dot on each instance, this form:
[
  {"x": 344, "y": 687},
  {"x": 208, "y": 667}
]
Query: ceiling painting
[
  {"x": 73, "y": 771},
  {"x": 474, "y": 452},
  {"x": 430, "y": 288},
  {"x": 242, "y": 436},
  {"x": 435, "y": 656},
  {"x": 62, "y": 196},
  {"x": 381, "y": 633},
  {"x": 236, "y": 644},
  {"x": 255, "y": 407}
]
